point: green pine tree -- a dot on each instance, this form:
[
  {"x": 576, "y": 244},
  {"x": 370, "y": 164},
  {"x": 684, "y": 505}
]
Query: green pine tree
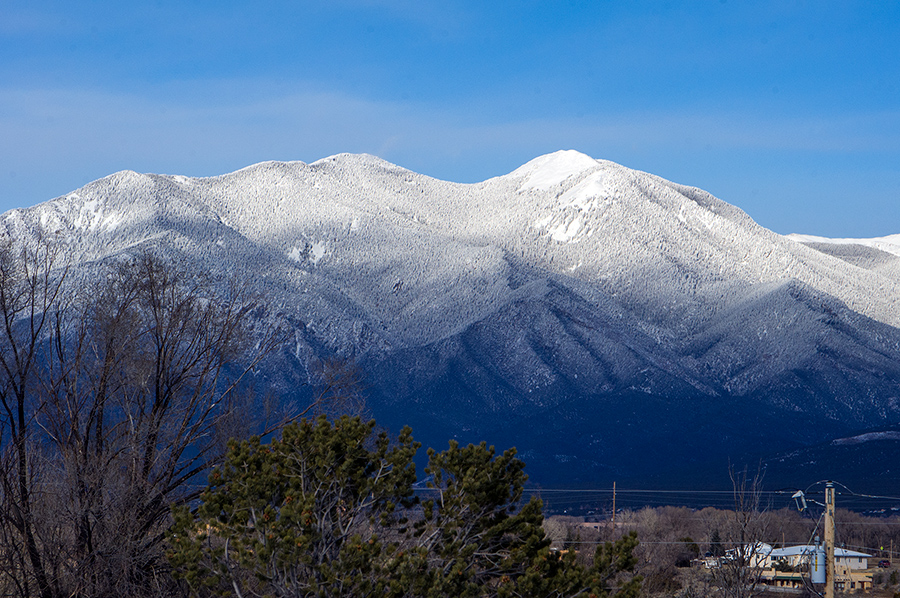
[{"x": 329, "y": 510}]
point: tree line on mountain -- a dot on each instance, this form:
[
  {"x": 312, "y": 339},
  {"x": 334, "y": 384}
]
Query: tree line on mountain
[{"x": 135, "y": 459}]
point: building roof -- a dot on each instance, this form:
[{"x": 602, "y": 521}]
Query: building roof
[
  {"x": 809, "y": 549},
  {"x": 758, "y": 549}
]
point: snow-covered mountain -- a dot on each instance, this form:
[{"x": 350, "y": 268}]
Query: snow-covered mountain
[{"x": 607, "y": 322}]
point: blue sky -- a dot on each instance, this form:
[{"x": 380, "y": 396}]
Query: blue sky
[{"x": 788, "y": 110}]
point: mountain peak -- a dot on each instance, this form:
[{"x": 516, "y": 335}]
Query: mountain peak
[
  {"x": 552, "y": 169},
  {"x": 361, "y": 161}
]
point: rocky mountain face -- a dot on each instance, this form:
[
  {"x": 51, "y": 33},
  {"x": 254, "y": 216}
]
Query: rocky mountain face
[{"x": 610, "y": 324}]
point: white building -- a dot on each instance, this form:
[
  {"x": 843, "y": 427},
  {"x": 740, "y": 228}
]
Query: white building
[
  {"x": 851, "y": 568},
  {"x": 753, "y": 555},
  {"x": 800, "y": 555}
]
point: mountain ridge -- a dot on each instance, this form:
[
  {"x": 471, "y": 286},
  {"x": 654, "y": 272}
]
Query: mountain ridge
[{"x": 568, "y": 282}]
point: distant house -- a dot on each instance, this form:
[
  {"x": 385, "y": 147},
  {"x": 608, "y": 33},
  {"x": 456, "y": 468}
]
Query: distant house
[
  {"x": 754, "y": 555},
  {"x": 797, "y": 555},
  {"x": 789, "y": 567}
]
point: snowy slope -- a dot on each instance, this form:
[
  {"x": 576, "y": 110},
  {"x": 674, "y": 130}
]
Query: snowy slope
[
  {"x": 881, "y": 254},
  {"x": 889, "y": 244},
  {"x": 564, "y": 290}
]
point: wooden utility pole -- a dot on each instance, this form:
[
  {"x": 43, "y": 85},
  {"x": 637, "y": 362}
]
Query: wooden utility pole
[
  {"x": 614, "y": 506},
  {"x": 829, "y": 540}
]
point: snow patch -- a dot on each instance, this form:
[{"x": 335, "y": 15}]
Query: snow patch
[
  {"x": 318, "y": 252},
  {"x": 543, "y": 222},
  {"x": 111, "y": 222},
  {"x": 92, "y": 218},
  {"x": 298, "y": 254},
  {"x": 88, "y": 215},
  {"x": 588, "y": 194},
  {"x": 308, "y": 252},
  {"x": 564, "y": 232},
  {"x": 51, "y": 222},
  {"x": 579, "y": 206},
  {"x": 867, "y": 438}
]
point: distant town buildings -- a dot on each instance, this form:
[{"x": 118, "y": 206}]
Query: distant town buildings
[{"x": 790, "y": 567}]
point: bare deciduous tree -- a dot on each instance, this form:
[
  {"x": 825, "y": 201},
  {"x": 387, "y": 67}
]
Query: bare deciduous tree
[
  {"x": 30, "y": 293},
  {"x": 340, "y": 389},
  {"x": 112, "y": 408},
  {"x": 740, "y": 572}
]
